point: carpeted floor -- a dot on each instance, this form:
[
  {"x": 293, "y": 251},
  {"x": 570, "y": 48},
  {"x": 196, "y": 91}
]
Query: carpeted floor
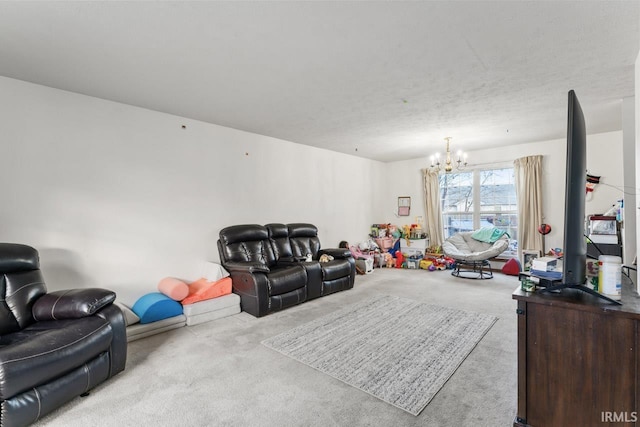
[
  {"x": 396, "y": 349},
  {"x": 218, "y": 373}
]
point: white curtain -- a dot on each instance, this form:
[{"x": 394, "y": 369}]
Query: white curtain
[
  {"x": 528, "y": 176},
  {"x": 432, "y": 208}
]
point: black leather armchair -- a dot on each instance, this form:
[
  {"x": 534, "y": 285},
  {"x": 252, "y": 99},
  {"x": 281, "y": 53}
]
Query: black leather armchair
[
  {"x": 269, "y": 270},
  {"x": 53, "y": 347}
]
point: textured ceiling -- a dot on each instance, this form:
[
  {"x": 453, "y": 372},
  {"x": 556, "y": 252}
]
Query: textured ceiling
[{"x": 382, "y": 80}]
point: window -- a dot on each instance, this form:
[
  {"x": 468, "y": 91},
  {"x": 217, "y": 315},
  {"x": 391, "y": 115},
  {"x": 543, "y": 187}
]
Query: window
[
  {"x": 480, "y": 198},
  {"x": 456, "y": 190}
]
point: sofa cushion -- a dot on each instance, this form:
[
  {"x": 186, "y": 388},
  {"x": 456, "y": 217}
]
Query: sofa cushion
[
  {"x": 202, "y": 290},
  {"x": 279, "y": 235},
  {"x": 335, "y": 269},
  {"x": 304, "y": 240},
  {"x": 156, "y": 306},
  {"x": 174, "y": 288},
  {"x": 281, "y": 281},
  {"x": 246, "y": 243},
  {"x": 143, "y": 330},
  {"x": 49, "y": 349},
  {"x": 213, "y": 304}
]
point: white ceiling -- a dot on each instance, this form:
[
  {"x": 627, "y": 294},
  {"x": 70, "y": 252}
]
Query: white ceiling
[{"x": 381, "y": 80}]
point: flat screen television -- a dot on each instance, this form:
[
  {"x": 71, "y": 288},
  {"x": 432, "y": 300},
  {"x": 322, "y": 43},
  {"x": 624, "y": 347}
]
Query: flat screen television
[{"x": 575, "y": 245}]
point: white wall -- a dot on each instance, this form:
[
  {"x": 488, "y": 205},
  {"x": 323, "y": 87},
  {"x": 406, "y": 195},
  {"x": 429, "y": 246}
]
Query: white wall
[
  {"x": 629, "y": 165},
  {"x": 604, "y": 158},
  {"x": 119, "y": 197}
]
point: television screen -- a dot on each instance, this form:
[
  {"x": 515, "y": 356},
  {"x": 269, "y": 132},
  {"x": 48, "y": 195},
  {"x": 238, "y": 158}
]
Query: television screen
[{"x": 575, "y": 246}]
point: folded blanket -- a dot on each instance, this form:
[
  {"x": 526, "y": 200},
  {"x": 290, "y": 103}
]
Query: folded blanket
[{"x": 489, "y": 234}]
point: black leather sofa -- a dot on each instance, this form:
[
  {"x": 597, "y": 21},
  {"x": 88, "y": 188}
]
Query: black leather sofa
[
  {"x": 53, "y": 346},
  {"x": 269, "y": 270}
]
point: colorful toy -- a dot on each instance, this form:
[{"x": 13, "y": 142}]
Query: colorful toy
[
  {"x": 406, "y": 232},
  {"x": 557, "y": 252},
  {"x": 451, "y": 263},
  {"x": 425, "y": 264},
  {"x": 399, "y": 259},
  {"x": 388, "y": 259},
  {"x": 592, "y": 268},
  {"x": 435, "y": 249},
  {"x": 440, "y": 264}
]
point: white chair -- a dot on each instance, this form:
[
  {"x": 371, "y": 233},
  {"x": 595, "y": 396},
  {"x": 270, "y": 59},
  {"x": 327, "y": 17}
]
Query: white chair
[{"x": 472, "y": 256}]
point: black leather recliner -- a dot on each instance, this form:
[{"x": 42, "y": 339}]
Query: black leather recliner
[
  {"x": 53, "y": 347},
  {"x": 269, "y": 270},
  {"x": 337, "y": 275}
]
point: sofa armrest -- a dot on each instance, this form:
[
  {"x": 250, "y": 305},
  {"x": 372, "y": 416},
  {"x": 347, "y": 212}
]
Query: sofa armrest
[
  {"x": 71, "y": 303},
  {"x": 287, "y": 261},
  {"x": 291, "y": 260},
  {"x": 249, "y": 267},
  {"x": 336, "y": 253}
]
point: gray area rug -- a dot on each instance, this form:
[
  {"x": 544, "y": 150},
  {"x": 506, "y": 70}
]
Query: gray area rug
[{"x": 398, "y": 350}]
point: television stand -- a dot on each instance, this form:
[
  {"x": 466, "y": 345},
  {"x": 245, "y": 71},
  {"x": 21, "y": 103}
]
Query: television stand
[
  {"x": 583, "y": 288},
  {"x": 577, "y": 358}
]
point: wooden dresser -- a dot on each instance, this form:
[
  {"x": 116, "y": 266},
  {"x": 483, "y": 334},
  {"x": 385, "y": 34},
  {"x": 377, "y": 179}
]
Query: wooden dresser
[{"x": 578, "y": 359}]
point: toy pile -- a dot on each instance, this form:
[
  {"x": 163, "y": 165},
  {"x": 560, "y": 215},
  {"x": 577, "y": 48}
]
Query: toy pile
[
  {"x": 441, "y": 262},
  {"x": 393, "y": 257}
]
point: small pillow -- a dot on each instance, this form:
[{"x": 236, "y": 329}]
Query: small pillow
[
  {"x": 202, "y": 289},
  {"x": 173, "y": 288},
  {"x": 129, "y": 316},
  {"x": 156, "y": 306},
  {"x": 71, "y": 303}
]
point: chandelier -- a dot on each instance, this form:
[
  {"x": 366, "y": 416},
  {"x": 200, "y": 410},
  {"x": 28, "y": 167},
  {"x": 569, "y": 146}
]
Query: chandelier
[{"x": 461, "y": 160}]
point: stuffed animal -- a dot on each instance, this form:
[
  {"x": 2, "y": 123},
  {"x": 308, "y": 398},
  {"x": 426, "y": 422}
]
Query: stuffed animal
[
  {"x": 325, "y": 258},
  {"x": 389, "y": 260},
  {"x": 406, "y": 231}
]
